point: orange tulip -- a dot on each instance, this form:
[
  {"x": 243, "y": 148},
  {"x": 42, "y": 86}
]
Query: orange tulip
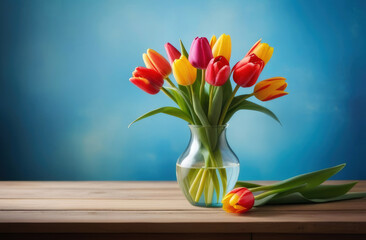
[
  {"x": 270, "y": 88},
  {"x": 154, "y": 60},
  {"x": 238, "y": 200}
]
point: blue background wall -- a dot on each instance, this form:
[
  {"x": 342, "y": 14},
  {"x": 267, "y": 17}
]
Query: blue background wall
[{"x": 66, "y": 102}]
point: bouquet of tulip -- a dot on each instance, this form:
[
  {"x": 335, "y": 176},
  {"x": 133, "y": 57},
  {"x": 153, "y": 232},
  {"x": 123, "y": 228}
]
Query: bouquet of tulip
[{"x": 205, "y": 97}]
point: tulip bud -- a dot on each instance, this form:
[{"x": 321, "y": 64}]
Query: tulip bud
[
  {"x": 200, "y": 53},
  {"x": 246, "y": 71},
  {"x": 218, "y": 71},
  {"x": 212, "y": 41},
  {"x": 222, "y": 47},
  {"x": 147, "y": 79},
  {"x": 270, "y": 88},
  {"x": 155, "y": 61},
  {"x": 172, "y": 52},
  {"x": 184, "y": 73},
  {"x": 238, "y": 200},
  {"x": 261, "y": 50}
]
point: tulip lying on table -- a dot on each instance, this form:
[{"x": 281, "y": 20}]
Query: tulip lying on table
[{"x": 305, "y": 188}]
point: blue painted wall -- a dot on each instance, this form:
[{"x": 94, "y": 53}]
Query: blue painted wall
[{"x": 66, "y": 102}]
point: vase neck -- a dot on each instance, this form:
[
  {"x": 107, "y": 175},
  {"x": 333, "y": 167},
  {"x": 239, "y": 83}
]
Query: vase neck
[{"x": 210, "y": 137}]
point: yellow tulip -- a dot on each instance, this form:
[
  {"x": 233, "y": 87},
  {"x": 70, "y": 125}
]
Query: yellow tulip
[
  {"x": 222, "y": 47},
  {"x": 184, "y": 73},
  {"x": 270, "y": 88},
  {"x": 263, "y": 51},
  {"x": 212, "y": 41}
]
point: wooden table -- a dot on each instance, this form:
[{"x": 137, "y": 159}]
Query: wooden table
[{"x": 158, "y": 210}]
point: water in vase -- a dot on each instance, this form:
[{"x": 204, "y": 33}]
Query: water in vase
[{"x": 206, "y": 186}]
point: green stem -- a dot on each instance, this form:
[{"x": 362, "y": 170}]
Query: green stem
[
  {"x": 270, "y": 192},
  {"x": 227, "y": 105},
  {"x": 202, "y": 87},
  {"x": 170, "y": 82},
  {"x": 261, "y": 188},
  {"x": 195, "y": 184},
  {"x": 168, "y": 94},
  {"x": 265, "y": 194},
  {"x": 201, "y": 186},
  {"x": 210, "y": 100}
]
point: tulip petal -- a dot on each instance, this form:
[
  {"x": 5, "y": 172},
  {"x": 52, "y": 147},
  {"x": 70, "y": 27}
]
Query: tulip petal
[
  {"x": 145, "y": 85},
  {"x": 150, "y": 74},
  {"x": 184, "y": 73},
  {"x": 147, "y": 62},
  {"x": 222, "y": 47},
  {"x": 253, "y": 47},
  {"x": 222, "y": 76},
  {"x": 212, "y": 41},
  {"x": 172, "y": 52},
  {"x": 157, "y": 62},
  {"x": 271, "y": 97},
  {"x": 270, "y": 88},
  {"x": 200, "y": 53}
]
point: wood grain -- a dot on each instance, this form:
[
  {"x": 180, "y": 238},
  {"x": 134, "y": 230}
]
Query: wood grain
[{"x": 135, "y": 209}]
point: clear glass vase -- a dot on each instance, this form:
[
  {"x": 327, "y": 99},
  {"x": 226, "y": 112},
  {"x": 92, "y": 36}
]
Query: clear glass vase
[{"x": 208, "y": 168}]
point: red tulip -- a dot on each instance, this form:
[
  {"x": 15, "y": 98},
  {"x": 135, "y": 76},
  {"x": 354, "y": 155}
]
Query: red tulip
[
  {"x": 172, "y": 52},
  {"x": 147, "y": 79},
  {"x": 218, "y": 71},
  {"x": 246, "y": 71},
  {"x": 238, "y": 200},
  {"x": 200, "y": 53}
]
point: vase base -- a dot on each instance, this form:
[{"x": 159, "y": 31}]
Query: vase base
[{"x": 213, "y": 205}]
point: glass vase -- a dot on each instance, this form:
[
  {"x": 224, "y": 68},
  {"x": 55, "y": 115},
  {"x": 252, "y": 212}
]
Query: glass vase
[{"x": 208, "y": 168}]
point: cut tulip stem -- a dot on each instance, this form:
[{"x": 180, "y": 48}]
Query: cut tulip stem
[
  {"x": 261, "y": 188},
  {"x": 268, "y": 193},
  {"x": 195, "y": 184},
  {"x": 227, "y": 105},
  {"x": 201, "y": 186}
]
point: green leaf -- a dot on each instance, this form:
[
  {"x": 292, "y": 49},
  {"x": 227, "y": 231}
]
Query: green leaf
[
  {"x": 318, "y": 192},
  {"x": 184, "y": 89},
  {"x": 227, "y": 91},
  {"x": 179, "y": 100},
  {"x": 167, "y": 110},
  {"x": 214, "y": 115},
  {"x": 183, "y": 49},
  {"x": 299, "y": 198},
  {"x": 199, "y": 111},
  {"x": 310, "y": 180},
  {"x": 237, "y": 100},
  {"x": 328, "y": 191},
  {"x": 197, "y": 84},
  {"x": 250, "y": 106}
]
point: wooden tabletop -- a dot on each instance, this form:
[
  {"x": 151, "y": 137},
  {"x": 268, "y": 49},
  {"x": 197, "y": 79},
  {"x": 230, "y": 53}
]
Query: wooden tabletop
[{"x": 113, "y": 210}]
